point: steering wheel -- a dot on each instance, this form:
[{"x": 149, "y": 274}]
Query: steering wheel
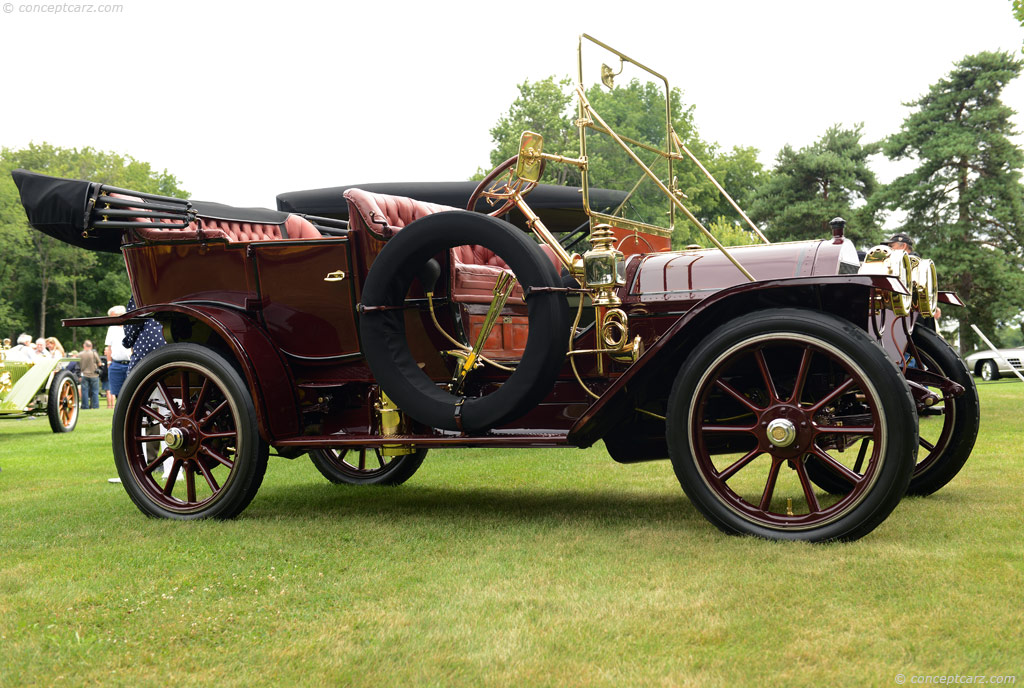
[{"x": 494, "y": 188}]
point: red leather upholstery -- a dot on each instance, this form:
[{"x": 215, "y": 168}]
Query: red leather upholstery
[
  {"x": 384, "y": 215},
  {"x": 475, "y": 269},
  {"x": 296, "y": 227}
]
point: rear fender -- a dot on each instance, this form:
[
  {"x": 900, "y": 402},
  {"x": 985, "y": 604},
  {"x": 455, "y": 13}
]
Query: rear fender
[
  {"x": 846, "y": 296},
  {"x": 240, "y": 339}
]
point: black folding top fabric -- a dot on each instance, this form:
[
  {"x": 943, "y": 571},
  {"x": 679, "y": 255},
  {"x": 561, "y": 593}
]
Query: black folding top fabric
[
  {"x": 59, "y": 207},
  {"x": 219, "y": 211},
  {"x": 561, "y": 207}
]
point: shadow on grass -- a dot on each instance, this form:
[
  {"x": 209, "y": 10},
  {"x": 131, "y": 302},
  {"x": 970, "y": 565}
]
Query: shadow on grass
[{"x": 418, "y": 503}]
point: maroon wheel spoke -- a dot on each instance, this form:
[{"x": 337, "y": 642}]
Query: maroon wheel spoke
[
  {"x": 168, "y": 398},
  {"x": 762, "y": 364},
  {"x": 729, "y": 428},
  {"x": 845, "y": 430},
  {"x": 185, "y": 393},
  {"x": 171, "y": 479},
  {"x": 219, "y": 435},
  {"x": 216, "y": 457},
  {"x": 735, "y": 467},
  {"x": 362, "y": 458},
  {"x": 209, "y": 416},
  {"x": 210, "y": 480},
  {"x": 861, "y": 453},
  {"x": 801, "y": 376},
  {"x": 832, "y": 396},
  {"x": 149, "y": 438},
  {"x": 190, "y": 483},
  {"x": 925, "y": 443},
  {"x": 805, "y": 483},
  {"x": 154, "y": 414},
  {"x": 201, "y": 397},
  {"x": 737, "y": 395},
  {"x": 769, "y": 486},
  {"x": 148, "y": 468},
  {"x": 836, "y": 467},
  {"x": 380, "y": 458}
]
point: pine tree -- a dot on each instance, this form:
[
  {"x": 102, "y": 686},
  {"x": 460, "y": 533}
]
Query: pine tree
[
  {"x": 963, "y": 202},
  {"x": 810, "y": 186}
]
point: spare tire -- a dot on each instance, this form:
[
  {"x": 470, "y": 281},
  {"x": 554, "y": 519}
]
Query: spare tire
[{"x": 383, "y": 336}]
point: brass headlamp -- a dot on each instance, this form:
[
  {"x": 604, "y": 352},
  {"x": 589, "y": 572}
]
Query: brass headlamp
[
  {"x": 882, "y": 260},
  {"x": 926, "y": 285}
]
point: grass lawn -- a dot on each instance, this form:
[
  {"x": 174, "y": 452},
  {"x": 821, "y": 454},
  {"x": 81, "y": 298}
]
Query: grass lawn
[{"x": 496, "y": 568}]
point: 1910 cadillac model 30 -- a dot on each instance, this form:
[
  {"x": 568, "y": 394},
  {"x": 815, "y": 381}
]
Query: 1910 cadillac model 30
[{"x": 785, "y": 382}]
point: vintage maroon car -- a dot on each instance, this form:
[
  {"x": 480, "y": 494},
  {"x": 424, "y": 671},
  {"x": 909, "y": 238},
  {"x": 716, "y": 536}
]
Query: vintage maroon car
[{"x": 787, "y": 383}]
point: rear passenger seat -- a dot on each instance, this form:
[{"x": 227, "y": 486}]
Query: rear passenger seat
[{"x": 219, "y": 221}]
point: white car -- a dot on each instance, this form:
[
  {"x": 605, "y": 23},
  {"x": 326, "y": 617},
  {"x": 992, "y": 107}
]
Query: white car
[{"x": 991, "y": 365}]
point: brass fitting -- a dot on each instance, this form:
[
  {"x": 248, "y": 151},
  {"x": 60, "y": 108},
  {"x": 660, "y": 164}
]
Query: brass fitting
[{"x": 391, "y": 423}]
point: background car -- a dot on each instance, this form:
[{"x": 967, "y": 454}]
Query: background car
[
  {"x": 29, "y": 389},
  {"x": 991, "y": 365}
]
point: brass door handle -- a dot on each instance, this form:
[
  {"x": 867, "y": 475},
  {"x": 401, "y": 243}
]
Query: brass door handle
[{"x": 335, "y": 276}]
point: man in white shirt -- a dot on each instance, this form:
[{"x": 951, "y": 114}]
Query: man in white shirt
[
  {"x": 23, "y": 351},
  {"x": 119, "y": 354}
]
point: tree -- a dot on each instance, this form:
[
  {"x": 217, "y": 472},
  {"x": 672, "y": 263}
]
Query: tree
[
  {"x": 635, "y": 110},
  {"x": 963, "y": 202},
  {"x": 810, "y": 186},
  {"x": 37, "y": 271}
]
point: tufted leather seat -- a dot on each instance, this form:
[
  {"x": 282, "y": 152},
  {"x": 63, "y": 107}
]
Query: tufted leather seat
[{"x": 475, "y": 268}]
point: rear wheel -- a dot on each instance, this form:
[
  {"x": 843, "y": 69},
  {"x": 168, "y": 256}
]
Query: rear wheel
[
  {"x": 989, "y": 371},
  {"x": 62, "y": 402},
  {"x": 763, "y": 396},
  {"x": 187, "y": 403},
  {"x": 365, "y": 466}
]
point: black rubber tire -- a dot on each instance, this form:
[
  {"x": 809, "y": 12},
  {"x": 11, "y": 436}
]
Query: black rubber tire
[
  {"x": 331, "y": 464},
  {"x": 989, "y": 371},
  {"x": 838, "y": 338},
  {"x": 937, "y": 466},
  {"x": 249, "y": 453},
  {"x": 934, "y": 470},
  {"x": 383, "y": 336},
  {"x": 62, "y": 398}
]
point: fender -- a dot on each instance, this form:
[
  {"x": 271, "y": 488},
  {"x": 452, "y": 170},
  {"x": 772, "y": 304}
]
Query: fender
[
  {"x": 268, "y": 378},
  {"x": 844, "y": 295}
]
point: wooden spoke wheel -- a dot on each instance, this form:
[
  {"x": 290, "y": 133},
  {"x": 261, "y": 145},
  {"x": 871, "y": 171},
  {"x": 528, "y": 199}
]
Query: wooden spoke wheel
[
  {"x": 62, "y": 403},
  {"x": 766, "y": 395},
  {"x": 186, "y": 403},
  {"x": 365, "y": 466}
]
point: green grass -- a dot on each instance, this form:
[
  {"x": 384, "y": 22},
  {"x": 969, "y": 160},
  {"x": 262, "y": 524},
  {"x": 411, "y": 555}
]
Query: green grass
[{"x": 495, "y": 568}]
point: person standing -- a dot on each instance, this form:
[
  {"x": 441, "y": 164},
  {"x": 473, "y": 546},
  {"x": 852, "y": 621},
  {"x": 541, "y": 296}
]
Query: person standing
[
  {"x": 105, "y": 377},
  {"x": 89, "y": 364},
  {"x": 117, "y": 368}
]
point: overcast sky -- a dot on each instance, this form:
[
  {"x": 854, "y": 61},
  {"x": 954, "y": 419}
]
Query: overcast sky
[{"x": 243, "y": 101}]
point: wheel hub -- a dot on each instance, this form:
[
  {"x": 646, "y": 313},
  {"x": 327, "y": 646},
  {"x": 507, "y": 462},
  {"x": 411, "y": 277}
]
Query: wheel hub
[
  {"x": 781, "y": 432},
  {"x": 175, "y": 438},
  {"x": 785, "y": 430}
]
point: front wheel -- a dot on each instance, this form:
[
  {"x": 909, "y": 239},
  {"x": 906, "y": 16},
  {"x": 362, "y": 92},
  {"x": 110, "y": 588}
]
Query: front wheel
[
  {"x": 363, "y": 466},
  {"x": 989, "y": 371},
  {"x": 62, "y": 402},
  {"x": 766, "y": 394},
  {"x": 187, "y": 403}
]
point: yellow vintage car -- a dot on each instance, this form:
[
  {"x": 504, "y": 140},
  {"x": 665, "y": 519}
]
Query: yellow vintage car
[{"x": 42, "y": 386}]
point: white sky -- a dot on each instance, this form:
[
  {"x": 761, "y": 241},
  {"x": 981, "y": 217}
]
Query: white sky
[{"x": 246, "y": 100}]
